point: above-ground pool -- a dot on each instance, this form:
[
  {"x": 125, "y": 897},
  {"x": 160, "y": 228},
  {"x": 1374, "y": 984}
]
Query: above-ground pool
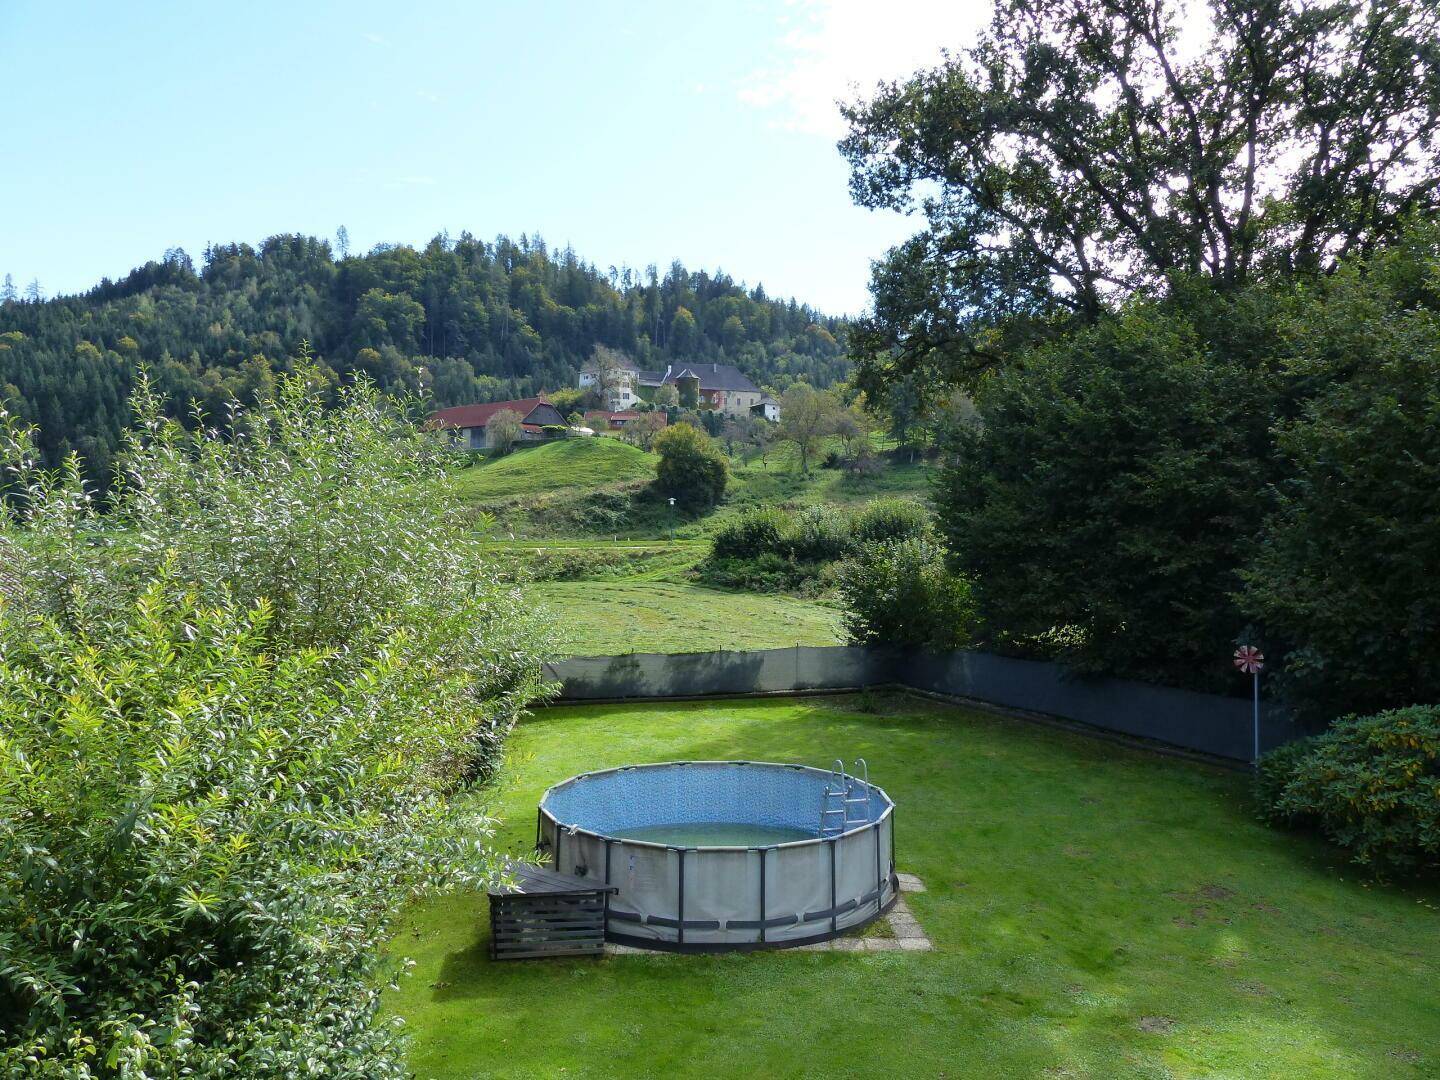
[{"x": 711, "y": 855}]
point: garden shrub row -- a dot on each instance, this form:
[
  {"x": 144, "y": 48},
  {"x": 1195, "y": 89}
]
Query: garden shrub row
[
  {"x": 771, "y": 548},
  {"x": 818, "y": 533}
]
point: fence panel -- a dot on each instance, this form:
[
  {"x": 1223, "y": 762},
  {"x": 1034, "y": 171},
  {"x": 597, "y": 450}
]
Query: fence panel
[{"x": 1208, "y": 723}]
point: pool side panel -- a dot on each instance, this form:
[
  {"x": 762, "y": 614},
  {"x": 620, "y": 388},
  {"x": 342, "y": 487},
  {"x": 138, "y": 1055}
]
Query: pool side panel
[{"x": 701, "y": 899}]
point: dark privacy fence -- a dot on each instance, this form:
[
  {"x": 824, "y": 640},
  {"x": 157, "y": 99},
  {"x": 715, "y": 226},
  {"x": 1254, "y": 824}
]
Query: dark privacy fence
[{"x": 1204, "y": 722}]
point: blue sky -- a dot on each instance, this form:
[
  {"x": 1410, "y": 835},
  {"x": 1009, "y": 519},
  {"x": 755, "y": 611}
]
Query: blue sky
[{"x": 638, "y": 132}]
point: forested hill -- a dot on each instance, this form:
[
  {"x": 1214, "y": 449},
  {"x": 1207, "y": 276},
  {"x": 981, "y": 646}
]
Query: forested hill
[{"x": 458, "y": 321}]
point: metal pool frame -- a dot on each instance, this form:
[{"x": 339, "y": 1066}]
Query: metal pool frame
[{"x": 553, "y": 836}]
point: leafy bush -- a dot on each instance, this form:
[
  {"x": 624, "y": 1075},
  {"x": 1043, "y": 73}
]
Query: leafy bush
[
  {"x": 1371, "y": 783},
  {"x": 231, "y": 710},
  {"x": 1274, "y": 773},
  {"x": 822, "y": 534},
  {"x": 891, "y": 519},
  {"x": 691, "y": 470},
  {"x": 900, "y": 592},
  {"x": 758, "y": 531},
  {"x": 766, "y": 572}
]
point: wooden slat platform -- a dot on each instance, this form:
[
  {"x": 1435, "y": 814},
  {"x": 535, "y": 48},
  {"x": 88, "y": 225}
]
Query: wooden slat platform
[{"x": 546, "y": 913}]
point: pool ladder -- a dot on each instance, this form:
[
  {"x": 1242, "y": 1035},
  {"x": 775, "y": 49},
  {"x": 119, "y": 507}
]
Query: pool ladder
[{"x": 842, "y": 793}]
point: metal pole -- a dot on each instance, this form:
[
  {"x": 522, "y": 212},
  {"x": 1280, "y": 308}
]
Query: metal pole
[
  {"x": 834, "y": 918},
  {"x": 762, "y": 894},
  {"x": 605, "y": 915},
  {"x": 1256, "y": 678},
  {"x": 680, "y": 922},
  {"x": 879, "y": 877}
]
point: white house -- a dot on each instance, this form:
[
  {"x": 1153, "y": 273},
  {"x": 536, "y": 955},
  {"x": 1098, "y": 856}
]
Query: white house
[{"x": 722, "y": 387}]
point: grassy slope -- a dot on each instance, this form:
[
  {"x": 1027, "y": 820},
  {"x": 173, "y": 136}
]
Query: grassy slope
[
  {"x": 1096, "y": 912},
  {"x": 646, "y": 606},
  {"x": 573, "y": 463},
  {"x": 602, "y": 618}
]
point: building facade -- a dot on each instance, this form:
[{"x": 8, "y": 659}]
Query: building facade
[{"x": 721, "y": 387}]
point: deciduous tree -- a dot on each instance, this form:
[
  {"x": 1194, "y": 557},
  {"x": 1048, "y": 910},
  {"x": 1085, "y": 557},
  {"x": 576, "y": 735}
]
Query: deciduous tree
[
  {"x": 807, "y": 415},
  {"x": 1081, "y": 152},
  {"x": 503, "y": 431}
]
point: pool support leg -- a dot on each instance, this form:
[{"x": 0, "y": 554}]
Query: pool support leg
[
  {"x": 680, "y": 922},
  {"x": 834, "y": 918}
]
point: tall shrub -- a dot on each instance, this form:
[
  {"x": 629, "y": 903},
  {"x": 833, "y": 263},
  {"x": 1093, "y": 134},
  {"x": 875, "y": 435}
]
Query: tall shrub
[
  {"x": 901, "y": 593},
  {"x": 1347, "y": 572},
  {"x": 1112, "y": 487},
  {"x": 890, "y": 519},
  {"x": 760, "y": 530},
  {"x": 690, "y": 470},
  {"x": 231, "y": 712}
]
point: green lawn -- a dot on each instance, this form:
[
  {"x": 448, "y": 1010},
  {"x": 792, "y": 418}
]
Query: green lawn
[
  {"x": 569, "y": 463},
  {"x": 1096, "y": 912},
  {"x": 602, "y": 618}
]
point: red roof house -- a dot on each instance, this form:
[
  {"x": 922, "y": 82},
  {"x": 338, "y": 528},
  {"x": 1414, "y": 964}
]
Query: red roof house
[{"x": 470, "y": 421}]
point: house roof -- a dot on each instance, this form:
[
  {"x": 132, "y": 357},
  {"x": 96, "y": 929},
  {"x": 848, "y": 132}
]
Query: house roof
[
  {"x": 468, "y": 416},
  {"x": 606, "y": 414},
  {"x": 711, "y": 376}
]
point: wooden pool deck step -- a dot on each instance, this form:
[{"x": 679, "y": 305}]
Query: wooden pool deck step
[{"x": 541, "y": 912}]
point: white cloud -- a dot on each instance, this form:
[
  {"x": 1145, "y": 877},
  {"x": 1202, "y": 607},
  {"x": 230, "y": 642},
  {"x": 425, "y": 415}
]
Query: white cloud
[
  {"x": 376, "y": 39},
  {"x": 839, "y": 49}
]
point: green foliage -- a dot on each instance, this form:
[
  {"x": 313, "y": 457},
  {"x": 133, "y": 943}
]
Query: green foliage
[
  {"x": 1273, "y": 773},
  {"x": 690, "y": 470},
  {"x": 820, "y": 534},
  {"x": 461, "y": 321},
  {"x": 890, "y": 519},
  {"x": 1304, "y": 131},
  {"x": 688, "y": 393},
  {"x": 761, "y": 530},
  {"x": 1112, "y": 487},
  {"x": 900, "y": 592},
  {"x": 1348, "y": 570},
  {"x": 1371, "y": 783},
  {"x": 807, "y": 415},
  {"x": 768, "y": 547},
  {"x": 231, "y": 712}
]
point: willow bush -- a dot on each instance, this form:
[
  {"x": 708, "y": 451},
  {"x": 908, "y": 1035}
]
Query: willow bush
[{"x": 234, "y": 708}]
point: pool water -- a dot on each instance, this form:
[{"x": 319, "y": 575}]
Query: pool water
[{"x": 716, "y": 834}]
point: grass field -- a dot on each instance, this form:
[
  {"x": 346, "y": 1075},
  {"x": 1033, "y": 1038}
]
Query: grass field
[
  {"x": 570, "y": 463},
  {"x": 575, "y": 510},
  {"x": 1096, "y": 912},
  {"x": 602, "y": 618},
  {"x": 541, "y": 491}
]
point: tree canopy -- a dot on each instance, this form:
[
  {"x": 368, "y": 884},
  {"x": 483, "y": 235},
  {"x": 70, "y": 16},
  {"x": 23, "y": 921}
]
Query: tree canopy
[{"x": 1087, "y": 150}]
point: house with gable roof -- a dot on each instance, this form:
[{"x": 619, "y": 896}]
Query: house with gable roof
[
  {"x": 470, "y": 421},
  {"x": 722, "y": 387}
]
